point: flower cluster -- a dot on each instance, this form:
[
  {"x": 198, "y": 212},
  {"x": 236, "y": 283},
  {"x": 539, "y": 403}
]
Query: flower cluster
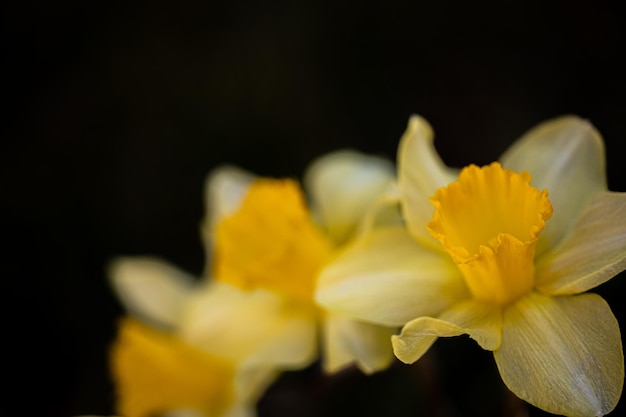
[{"x": 369, "y": 264}]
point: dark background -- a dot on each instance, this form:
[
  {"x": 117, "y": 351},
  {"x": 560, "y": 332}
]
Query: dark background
[{"x": 116, "y": 111}]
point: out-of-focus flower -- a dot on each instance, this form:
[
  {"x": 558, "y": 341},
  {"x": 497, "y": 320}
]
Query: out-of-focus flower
[
  {"x": 487, "y": 254},
  {"x": 151, "y": 347},
  {"x": 155, "y": 370},
  {"x": 267, "y": 253},
  {"x": 158, "y": 372},
  {"x": 252, "y": 314}
]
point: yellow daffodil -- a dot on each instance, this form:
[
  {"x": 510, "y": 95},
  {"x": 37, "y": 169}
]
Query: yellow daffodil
[
  {"x": 156, "y": 371},
  {"x": 504, "y": 253},
  {"x": 224, "y": 377},
  {"x": 213, "y": 345},
  {"x": 267, "y": 253}
]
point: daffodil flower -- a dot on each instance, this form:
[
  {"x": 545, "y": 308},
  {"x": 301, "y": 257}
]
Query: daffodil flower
[
  {"x": 269, "y": 249},
  {"x": 156, "y": 371},
  {"x": 210, "y": 347},
  {"x": 505, "y": 254},
  {"x": 159, "y": 371}
]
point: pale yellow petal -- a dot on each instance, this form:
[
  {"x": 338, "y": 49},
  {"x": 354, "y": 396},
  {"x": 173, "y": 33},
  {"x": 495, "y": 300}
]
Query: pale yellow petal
[
  {"x": 342, "y": 185},
  {"x": 256, "y": 328},
  {"x": 150, "y": 288},
  {"x": 384, "y": 212},
  {"x": 224, "y": 189},
  {"x": 184, "y": 413},
  {"x": 251, "y": 384},
  {"x": 387, "y": 278},
  {"x": 289, "y": 344},
  {"x": 566, "y": 157},
  {"x": 196, "y": 413},
  {"x": 562, "y": 354},
  {"x": 420, "y": 173},
  {"x": 482, "y": 322},
  {"x": 593, "y": 252},
  {"x": 348, "y": 341},
  {"x": 240, "y": 410},
  {"x": 418, "y": 336}
]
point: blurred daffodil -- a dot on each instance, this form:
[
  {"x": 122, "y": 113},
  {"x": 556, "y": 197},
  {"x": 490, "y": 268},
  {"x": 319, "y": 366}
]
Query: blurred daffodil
[
  {"x": 505, "y": 254},
  {"x": 267, "y": 251},
  {"x": 156, "y": 371},
  {"x": 210, "y": 347}
]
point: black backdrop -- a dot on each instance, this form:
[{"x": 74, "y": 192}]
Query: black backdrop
[{"x": 115, "y": 112}]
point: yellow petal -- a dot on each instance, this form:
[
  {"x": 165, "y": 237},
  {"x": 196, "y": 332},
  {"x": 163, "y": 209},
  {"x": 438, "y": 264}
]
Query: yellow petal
[
  {"x": 150, "y": 288},
  {"x": 593, "y": 252},
  {"x": 387, "y": 278},
  {"x": 562, "y": 354},
  {"x": 348, "y": 341},
  {"x": 155, "y": 372},
  {"x": 566, "y": 157},
  {"x": 342, "y": 186},
  {"x": 271, "y": 242},
  {"x": 257, "y": 329},
  {"x": 482, "y": 322},
  {"x": 420, "y": 173}
]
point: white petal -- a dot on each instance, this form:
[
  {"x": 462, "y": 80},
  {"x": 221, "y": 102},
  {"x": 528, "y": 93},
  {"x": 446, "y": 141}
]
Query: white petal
[
  {"x": 342, "y": 185},
  {"x": 562, "y": 354},
  {"x": 594, "y": 251},
  {"x": 387, "y": 278},
  {"x": 420, "y": 173},
  {"x": 256, "y": 328},
  {"x": 151, "y": 289},
  {"x": 349, "y": 341},
  {"x": 566, "y": 157}
]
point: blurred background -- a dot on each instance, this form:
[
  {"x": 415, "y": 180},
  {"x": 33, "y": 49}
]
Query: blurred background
[{"x": 116, "y": 111}]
